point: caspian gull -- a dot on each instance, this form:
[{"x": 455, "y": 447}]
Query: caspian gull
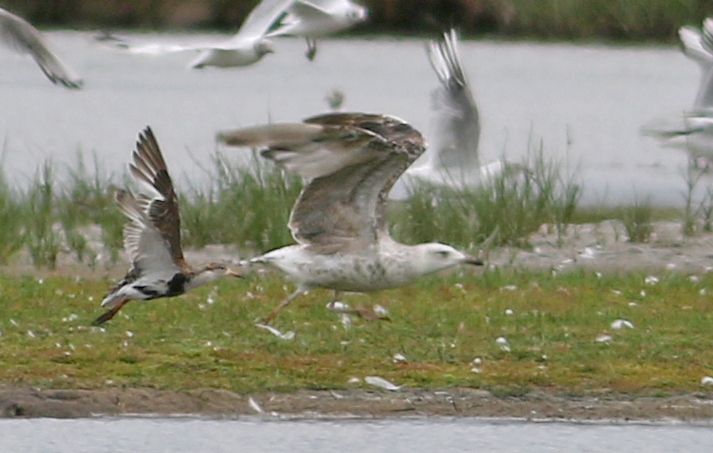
[
  {"x": 152, "y": 238},
  {"x": 246, "y": 47},
  {"x": 19, "y": 35},
  {"x": 316, "y": 18},
  {"x": 351, "y": 161}
]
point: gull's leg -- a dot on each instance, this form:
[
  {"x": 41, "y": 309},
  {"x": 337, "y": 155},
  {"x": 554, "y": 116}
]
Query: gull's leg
[
  {"x": 311, "y": 48},
  {"x": 273, "y": 314}
]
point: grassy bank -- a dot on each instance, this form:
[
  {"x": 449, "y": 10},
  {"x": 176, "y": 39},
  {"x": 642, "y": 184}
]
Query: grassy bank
[
  {"x": 249, "y": 207},
  {"x": 561, "y": 19},
  {"x": 441, "y": 325}
]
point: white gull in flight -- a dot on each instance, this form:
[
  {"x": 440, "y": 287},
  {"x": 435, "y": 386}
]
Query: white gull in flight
[
  {"x": 248, "y": 46},
  {"x": 692, "y": 130},
  {"x": 18, "y": 34},
  {"x": 152, "y": 238},
  {"x": 351, "y": 161},
  {"x": 312, "y": 19},
  {"x": 453, "y": 159}
]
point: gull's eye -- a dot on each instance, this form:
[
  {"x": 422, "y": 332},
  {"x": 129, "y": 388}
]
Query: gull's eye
[{"x": 443, "y": 253}]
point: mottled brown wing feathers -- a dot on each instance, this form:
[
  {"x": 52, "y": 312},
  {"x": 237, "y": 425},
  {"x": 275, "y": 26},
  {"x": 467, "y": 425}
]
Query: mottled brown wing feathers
[
  {"x": 352, "y": 162},
  {"x": 149, "y": 167}
]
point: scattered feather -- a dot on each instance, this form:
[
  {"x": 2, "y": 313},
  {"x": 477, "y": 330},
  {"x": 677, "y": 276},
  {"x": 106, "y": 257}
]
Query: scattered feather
[
  {"x": 255, "y": 406},
  {"x": 604, "y": 338},
  {"x": 338, "y": 307},
  {"x": 707, "y": 380},
  {"x": 509, "y": 312},
  {"x": 399, "y": 358},
  {"x": 353, "y": 380},
  {"x": 503, "y": 343},
  {"x": 651, "y": 280},
  {"x": 380, "y": 382},
  {"x": 287, "y": 336},
  {"x": 381, "y": 312},
  {"x": 621, "y": 324},
  {"x": 588, "y": 253}
]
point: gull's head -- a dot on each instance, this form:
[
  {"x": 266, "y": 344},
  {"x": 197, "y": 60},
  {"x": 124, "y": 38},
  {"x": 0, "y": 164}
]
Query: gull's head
[
  {"x": 436, "y": 256},
  {"x": 356, "y": 14},
  {"x": 264, "y": 47}
]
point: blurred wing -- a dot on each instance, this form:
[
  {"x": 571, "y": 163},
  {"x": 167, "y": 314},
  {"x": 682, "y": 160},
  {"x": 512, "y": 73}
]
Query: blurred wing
[
  {"x": 24, "y": 38},
  {"x": 707, "y": 36},
  {"x": 692, "y": 46},
  {"x": 704, "y": 98},
  {"x": 300, "y": 19},
  {"x": 457, "y": 123},
  {"x": 148, "y": 250},
  {"x": 262, "y": 17},
  {"x": 148, "y": 167},
  {"x": 352, "y": 161}
]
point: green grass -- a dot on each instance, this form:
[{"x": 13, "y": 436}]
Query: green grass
[
  {"x": 614, "y": 19},
  {"x": 439, "y": 324},
  {"x": 72, "y": 211},
  {"x": 503, "y": 212}
]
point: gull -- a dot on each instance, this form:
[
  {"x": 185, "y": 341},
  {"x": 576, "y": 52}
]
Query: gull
[
  {"x": 454, "y": 158},
  {"x": 693, "y": 130},
  {"x": 698, "y": 45},
  {"x": 152, "y": 237},
  {"x": 351, "y": 161},
  {"x": 248, "y": 46},
  {"x": 18, "y": 34},
  {"x": 316, "y": 18}
]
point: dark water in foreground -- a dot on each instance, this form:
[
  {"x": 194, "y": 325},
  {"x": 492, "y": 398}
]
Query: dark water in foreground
[{"x": 404, "y": 435}]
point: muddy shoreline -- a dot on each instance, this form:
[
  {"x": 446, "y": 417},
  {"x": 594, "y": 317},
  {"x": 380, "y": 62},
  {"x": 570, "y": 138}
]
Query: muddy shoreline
[{"x": 360, "y": 404}]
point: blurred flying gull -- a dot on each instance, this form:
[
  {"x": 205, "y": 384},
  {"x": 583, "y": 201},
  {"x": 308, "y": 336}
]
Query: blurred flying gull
[
  {"x": 152, "y": 238},
  {"x": 311, "y": 19},
  {"x": 18, "y": 34},
  {"x": 351, "y": 161},
  {"x": 246, "y": 47},
  {"x": 453, "y": 160},
  {"x": 692, "y": 130}
]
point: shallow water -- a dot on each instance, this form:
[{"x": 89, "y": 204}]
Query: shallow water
[
  {"x": 405, "y": 435},
  {"x": 586, "y": 103}
]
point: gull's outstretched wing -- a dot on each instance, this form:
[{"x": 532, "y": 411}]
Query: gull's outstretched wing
[
  {"x": 455, "y": 140},
  {"x": 161, "y": 207},
  {"x": 692, "y": 45},
  {"x": 262, "y": 17},
  {"x": 351, "y": 159},
  {"x": 24, "y": 38},
  {"x": 312, "y": 18}
]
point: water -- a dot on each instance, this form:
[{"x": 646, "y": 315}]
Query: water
[
  {"x": 585, "y": 102},
  {"x": 406, "y": 435}
]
